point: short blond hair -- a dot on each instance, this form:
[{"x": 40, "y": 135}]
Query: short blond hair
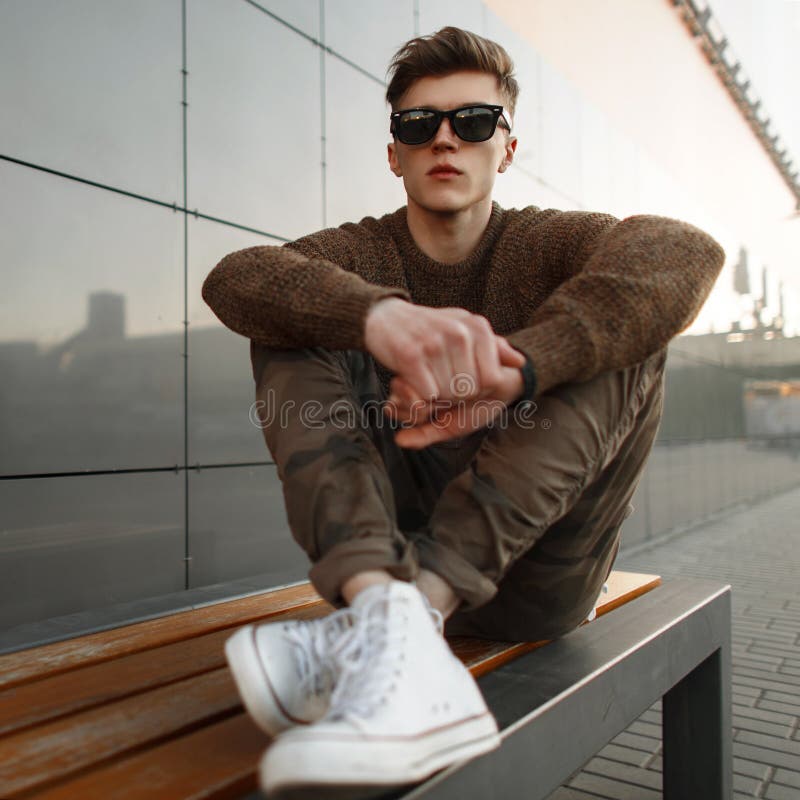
[{"x": 444, "y": 52}]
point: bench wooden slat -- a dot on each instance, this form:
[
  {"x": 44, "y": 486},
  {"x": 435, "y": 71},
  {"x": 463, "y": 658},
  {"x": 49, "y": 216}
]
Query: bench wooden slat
[
  {"x": 624, "y": 587},
  {"x": 77, "y": 690},
  {"x": 137, "y": 711},
  {"x": 218, "y": 762},
  {"x": 50, "y": 659},
  {"x": 57, "y": 749}
]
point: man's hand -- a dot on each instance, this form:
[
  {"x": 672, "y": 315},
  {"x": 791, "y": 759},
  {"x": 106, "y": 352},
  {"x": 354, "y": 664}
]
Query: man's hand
[
  {"x": 440, "y": 353},
  {"x": 438, "y": 420}
]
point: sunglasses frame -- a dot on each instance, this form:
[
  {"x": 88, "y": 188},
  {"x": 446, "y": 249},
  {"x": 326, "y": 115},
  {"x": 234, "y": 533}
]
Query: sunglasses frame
[{"x": 440, "y": 115}]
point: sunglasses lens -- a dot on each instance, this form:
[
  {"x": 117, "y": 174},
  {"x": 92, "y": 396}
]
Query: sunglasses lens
[
  {"x": 472, "y": 124},
  {"x": 475, "y": 124},
  {"x": 416, "y": 127}
]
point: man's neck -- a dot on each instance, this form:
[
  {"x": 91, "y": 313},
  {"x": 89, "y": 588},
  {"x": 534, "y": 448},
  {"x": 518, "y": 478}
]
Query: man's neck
[{"x": 448, "y": 237}]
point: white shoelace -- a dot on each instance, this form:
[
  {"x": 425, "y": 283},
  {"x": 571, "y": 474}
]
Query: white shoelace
[
  {"x": 316, "y": 648},
  {"x": 371, "y": 661},
  {"x": 368, "y": 664}
]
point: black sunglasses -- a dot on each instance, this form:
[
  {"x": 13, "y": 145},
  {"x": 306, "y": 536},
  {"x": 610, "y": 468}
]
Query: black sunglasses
[{"x": 471, "y": 123}]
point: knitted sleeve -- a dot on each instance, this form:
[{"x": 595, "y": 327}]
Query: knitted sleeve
[
  {"x": 629, "y": 287},
  {"x": 308, "y": 293}
]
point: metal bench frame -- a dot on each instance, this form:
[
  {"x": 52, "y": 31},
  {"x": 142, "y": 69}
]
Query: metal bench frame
[{"x": 558, "y": 706}]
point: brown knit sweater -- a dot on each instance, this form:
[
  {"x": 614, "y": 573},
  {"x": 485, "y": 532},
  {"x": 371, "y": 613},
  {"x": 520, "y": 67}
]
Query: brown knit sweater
[{"x": 578, "y": 292}]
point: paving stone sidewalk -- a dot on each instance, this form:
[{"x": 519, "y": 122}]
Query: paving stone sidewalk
[{"x": 757, "y": 551}]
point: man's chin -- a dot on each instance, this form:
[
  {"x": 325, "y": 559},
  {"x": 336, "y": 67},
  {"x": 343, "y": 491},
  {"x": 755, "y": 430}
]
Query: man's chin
[{"x": 442, "y": 205}]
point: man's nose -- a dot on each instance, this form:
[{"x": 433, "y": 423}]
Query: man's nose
[{"x": 445, "y": 137}]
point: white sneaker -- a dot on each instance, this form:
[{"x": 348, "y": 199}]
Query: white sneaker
[
  {"x": 286, "y": 671},
  {"x": 404, "y": 705}
]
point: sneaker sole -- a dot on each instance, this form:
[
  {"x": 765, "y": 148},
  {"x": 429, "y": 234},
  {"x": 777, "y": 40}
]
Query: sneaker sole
[
  {"x": 307, "y": 762},
  {"x": 253, "y": 683}
]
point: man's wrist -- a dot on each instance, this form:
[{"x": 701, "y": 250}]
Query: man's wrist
[{"x": 373, "y": 313}]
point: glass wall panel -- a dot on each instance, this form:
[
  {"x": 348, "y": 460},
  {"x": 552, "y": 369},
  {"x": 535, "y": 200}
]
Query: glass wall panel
[
  {"x": 658, "y": 194},
  {"x": 527, "y": 121},
  {"x": 90, "y": 328},
  {"x": 467, "y": 14},
  {"x": 95, "y": 88},
  {"x": 221, "y": 389},
  {"x": 705, "y": 461},
  {"x": 665, "y": 502},
  {"x": 624, "y": 183},
  {"x": 238, "y": 528},
  {"x": 380, "y": 30},
  {"x": 560, "y": 133},
  {"x": 72, "y": 544},
  {"x": 516, "y": 189},
  {"x": 595, "y": 160},
  {"x": 549, "y": 197},
  {"x": 254, "y": 131},
  {"x": 359, "y": 182},
  {"x": 302, "y": 14}
]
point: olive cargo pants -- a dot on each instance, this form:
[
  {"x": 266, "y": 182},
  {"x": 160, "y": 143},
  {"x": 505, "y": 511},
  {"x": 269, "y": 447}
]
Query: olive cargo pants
[{"x": 522, "y": 519}]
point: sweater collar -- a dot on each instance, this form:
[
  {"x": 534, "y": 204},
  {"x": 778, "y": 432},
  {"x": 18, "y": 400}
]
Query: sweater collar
[{"x": 418, "y": 262}]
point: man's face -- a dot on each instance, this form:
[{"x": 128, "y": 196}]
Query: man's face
[{"x": 474, "y": 164}]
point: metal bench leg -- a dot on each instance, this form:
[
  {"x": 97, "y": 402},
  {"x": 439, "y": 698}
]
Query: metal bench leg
[{"x": 697, "y": 732}]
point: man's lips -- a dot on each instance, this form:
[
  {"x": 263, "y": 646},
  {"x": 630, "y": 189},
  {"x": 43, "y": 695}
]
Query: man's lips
[{"x": 443, "y": 170}]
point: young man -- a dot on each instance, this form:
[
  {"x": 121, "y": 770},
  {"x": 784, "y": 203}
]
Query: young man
[{"x": 455, "y": 501}]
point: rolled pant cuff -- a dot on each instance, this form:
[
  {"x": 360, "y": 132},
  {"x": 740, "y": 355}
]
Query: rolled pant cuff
[
  {"x": 469, "y": 584},
  {"x": 342, "y": 562}
]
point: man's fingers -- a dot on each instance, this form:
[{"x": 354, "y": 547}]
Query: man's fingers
[
  {"x": 405, "y": 404},
  {"x": 401, "y": 390},
  {"x": 422, "y": 379},
  {"x": 445, "y": 349},
  {"x": 487, "y": 352},
  {"x": 509, "y": 356},
  {"x": 451, "y": 354},
  {"x": 463, "y": 382},
  {"x": 421, "y": 436}
]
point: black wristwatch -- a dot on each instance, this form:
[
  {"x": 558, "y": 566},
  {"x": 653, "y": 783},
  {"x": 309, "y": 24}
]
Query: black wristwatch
[{"x": 528, "y": 379}]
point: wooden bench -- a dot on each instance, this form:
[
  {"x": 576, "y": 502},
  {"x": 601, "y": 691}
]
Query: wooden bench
[{"x": 149, "y": 710}]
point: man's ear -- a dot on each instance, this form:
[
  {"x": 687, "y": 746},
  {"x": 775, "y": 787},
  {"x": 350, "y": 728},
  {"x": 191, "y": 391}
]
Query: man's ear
[
  {"x": 508, "y": 154},
  {"x": 394, "y": 163}
]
